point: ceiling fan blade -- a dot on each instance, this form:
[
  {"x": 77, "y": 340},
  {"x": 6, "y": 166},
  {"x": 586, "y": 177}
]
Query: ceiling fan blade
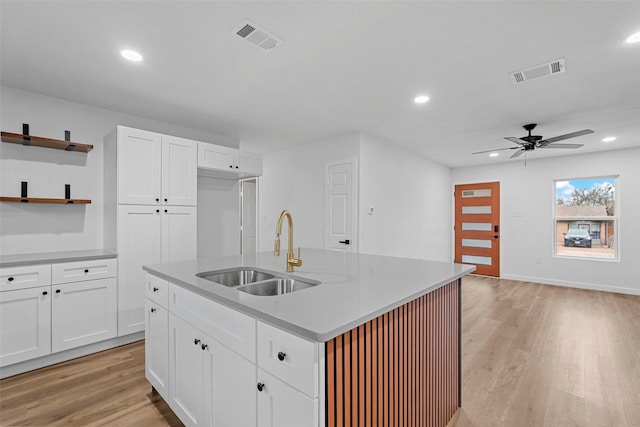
[
  {"x": 513, "y": 139},
  {"x": 516, "y": 154},
  {"x": 567, "y": 136},
  {"x": 497, "y": 149},
  {"x": 563, "y": 146}
]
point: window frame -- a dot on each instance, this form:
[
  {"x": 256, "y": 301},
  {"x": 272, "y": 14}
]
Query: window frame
[{"x": 615, "y": 219}]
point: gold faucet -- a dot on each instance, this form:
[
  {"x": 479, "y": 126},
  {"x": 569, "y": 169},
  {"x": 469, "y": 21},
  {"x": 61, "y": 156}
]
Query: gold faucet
[{"x": 291, "y": 260}]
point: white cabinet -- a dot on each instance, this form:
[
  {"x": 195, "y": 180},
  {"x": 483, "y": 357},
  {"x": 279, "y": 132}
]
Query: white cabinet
[
  {"x": 50, "y": 308},
  {"x": 150, "y": 210},
  {"x": 210, "y": 385},
  {"x": 25, "y": 324},
  {"x": 229, "y": 387},
  {"x": 139, "y": 166},
  {"x": 156, "y": 351},
  {"x": 154, "y": 169},
  {"x": 156, "y": 333},
  {"x": 14, "y": 278},
  {"x": 179, "y": 171},
  {"x": 225, "y": 367},
  {"x": 83, "y": 313},
  {"x": 280, "y": 405},
  {"x": 149, "y": 235},
  {"x": 139, "y": 243},
  {"x": 226, "y": 162}
]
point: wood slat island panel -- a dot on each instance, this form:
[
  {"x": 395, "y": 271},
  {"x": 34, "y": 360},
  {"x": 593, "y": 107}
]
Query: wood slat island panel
[{"x": 399, "y": 369}]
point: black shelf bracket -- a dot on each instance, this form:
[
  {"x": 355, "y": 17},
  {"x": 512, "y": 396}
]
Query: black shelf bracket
[{"x": 26, "y": 139}]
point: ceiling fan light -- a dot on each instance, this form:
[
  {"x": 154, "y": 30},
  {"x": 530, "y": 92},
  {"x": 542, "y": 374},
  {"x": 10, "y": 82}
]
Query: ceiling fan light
[
  {"x": 421, "y": 99},
  {"x": 633, "y": 38},
  {"x": 609, "y": 139},
  {"x": 494, "y": 154}
]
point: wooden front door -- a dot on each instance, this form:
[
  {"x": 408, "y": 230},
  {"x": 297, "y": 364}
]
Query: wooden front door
[{"x": 477, "y": 226}]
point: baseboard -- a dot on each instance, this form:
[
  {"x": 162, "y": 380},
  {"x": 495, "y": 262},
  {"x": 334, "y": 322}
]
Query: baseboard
[
  {"x": 569, "y": 284},
  {"x": 63, "y": 356}
]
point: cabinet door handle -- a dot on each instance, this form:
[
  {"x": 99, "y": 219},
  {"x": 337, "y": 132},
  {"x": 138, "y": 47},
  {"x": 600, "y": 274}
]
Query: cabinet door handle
[
  {"x": 157, "y": 210},
  {"x": 231, "y": 166},
  {"x": 57, "y": 291},
  {"x": 157, "y": 200},
  {"x": 260, "y": 386},
  {"x": 196, "y": 341},
  {"x": 10, "y": 279},
  {"x": 155, "y": 289},
  {"x": 165, "y": 211},
  {"x": 281, "y": 356},
  {"x": 153, "y": 310},
  {"x": 204, "y": 346},
  {"x": 86, "y": 270},
  {"x": 45, "y": 293},
  {"x": 166, "y": 200}
]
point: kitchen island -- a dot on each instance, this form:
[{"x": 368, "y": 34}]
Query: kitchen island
[{"x": 376, "y": 342}]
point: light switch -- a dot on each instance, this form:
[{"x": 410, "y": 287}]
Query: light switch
[{"x": 370, "y": 210}]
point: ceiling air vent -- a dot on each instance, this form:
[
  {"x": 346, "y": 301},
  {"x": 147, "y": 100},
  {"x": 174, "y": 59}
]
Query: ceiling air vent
[
  {"x": 539, "y": 71},
  {"x": 256, "y": 36}
]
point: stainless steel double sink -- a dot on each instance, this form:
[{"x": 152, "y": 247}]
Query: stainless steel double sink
[{"x": 256, "y": 281}]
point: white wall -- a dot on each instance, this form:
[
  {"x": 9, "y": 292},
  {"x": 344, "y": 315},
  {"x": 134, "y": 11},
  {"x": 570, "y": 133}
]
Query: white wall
[
  {"x": 527, "y": 233},
  {"x": 29, "y": 228},
  {"x": 411, "y": 198},
  {"x": 293, "y": 179},
  {"x": 410, "y": 194}
]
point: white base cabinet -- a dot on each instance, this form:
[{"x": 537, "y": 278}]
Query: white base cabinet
[
  {"x": 51, "y": 308},
  {"x": 210, "y": 385},
  {"x": 83, "y": 313},
  {"x": 226, "y": 368},
  {"x": 25, "y": 324},
  {"x": 280, "y": 405}
]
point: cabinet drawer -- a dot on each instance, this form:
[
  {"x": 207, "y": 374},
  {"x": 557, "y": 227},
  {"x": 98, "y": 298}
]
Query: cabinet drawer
[
  {"x": 294, "y": 360},
  {"x": 233, "y": 329},
  {"x": 157, "y": 290},
  {"x": 14, "y": 278},
  {"x": 83, "y": 270}
]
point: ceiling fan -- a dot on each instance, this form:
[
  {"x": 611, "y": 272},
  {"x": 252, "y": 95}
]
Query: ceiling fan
[{"x": 531, "y": 142}]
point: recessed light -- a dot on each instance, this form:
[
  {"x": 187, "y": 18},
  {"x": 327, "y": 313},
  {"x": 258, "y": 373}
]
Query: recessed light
[
  {"x": 131, "y": 55},
  {"x": 633, "y": 38},
  {"x": 421, "y": 99},
  {"x": 609, "y": 139},
  {"x": 494, "y": 154}
]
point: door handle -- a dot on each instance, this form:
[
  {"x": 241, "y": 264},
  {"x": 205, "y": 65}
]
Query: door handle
[
  {"x": 496, "y": 228},
  {"x": 346, "y": 242}
]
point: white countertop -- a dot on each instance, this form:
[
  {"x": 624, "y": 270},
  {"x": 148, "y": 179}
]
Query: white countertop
[
  {"x": 355, "y": 288},
  {"x": 54, "y": 257}
]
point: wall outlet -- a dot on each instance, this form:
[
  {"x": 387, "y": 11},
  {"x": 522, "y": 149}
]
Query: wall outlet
[
  {"x": 537, "y": 260},
  {"x": 370, "y": 210}
]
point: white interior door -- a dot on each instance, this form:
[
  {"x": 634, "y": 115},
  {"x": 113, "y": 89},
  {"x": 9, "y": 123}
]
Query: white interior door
[
  {"x": 248, "y": 216},
  {"x": 341, "y": 210}
]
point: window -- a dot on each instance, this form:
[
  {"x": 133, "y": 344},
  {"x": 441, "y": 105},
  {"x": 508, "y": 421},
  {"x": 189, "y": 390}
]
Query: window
[{"x": 586, "y": 218}]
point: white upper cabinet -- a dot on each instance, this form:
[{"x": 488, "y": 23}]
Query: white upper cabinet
[
  {"x": 139, "y": 166},
  {"x": 179, "y": 171},
  {"x": 225, "y": 162},
  {"x": 155, "y": 169}
]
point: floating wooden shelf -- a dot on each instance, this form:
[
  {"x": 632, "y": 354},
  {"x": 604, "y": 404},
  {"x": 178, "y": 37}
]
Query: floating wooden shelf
[
  {"x": 41, "y": 200},
  {"x": 38, "y": 141}
]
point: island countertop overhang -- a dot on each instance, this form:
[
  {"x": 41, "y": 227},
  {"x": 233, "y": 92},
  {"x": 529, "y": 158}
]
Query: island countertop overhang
[{"x": 354, "y": 289}]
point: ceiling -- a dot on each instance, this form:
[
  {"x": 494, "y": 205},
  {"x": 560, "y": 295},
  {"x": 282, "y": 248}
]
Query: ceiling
[{"x": 343, "y": 67}]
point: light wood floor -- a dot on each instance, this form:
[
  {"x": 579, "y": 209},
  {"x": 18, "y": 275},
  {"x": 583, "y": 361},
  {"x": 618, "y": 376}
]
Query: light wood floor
[{"x": 534, "y": 355}]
